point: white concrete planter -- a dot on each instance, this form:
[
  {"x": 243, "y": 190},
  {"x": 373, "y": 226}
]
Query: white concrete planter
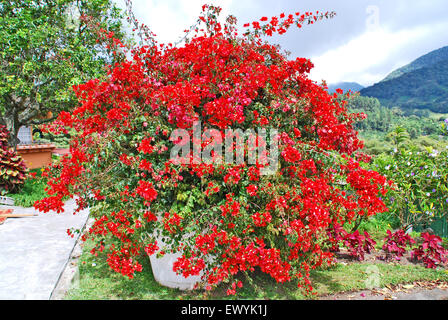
[{"x": 162, "y": 268}]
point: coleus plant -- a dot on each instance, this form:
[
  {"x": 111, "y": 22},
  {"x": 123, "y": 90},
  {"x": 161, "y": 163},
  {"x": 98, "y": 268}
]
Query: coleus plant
[
  {"x": 13, "y": 170},
  {"x": 335, "y": 237},
  {"x": 431, "y": 251},
  {"x": 224, "y": 218},
  {"x": 395, "y": 244},
  {"x": 357, "y": 244}
]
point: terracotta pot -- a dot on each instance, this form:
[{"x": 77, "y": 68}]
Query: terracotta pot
[{"x": 36, "y": 155}]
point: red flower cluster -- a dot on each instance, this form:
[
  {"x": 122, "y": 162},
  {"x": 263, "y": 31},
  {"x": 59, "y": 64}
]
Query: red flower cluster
[
  {"x": 145, "y": 146},
  {"x": 282, "y": 23},
  {"x": 146, "y": 190}
]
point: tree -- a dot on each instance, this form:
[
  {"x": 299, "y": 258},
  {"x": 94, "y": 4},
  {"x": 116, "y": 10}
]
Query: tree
[{"x": 46, "y": 47}]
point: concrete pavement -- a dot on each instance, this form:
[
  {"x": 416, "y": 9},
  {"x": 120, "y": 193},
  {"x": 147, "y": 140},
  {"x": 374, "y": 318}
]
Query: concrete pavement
[{"x": 34, "y": 251}]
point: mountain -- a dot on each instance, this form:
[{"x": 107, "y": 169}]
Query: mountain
[
  {"x": 353, "y": 86},
  {"x": 424, "y": 61},
  {"x": 422, "y": 84}
]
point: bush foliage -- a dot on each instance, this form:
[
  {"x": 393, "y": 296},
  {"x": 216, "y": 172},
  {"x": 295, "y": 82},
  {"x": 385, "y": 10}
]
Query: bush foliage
[{"x": 224, "y": 218}]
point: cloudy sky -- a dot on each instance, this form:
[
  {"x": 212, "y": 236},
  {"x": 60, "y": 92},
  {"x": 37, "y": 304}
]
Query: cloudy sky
[{"x": 365, "y": 41}]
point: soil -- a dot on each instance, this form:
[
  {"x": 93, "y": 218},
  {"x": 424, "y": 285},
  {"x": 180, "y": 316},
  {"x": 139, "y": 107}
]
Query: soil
[
  {"x": 377, "y": 256},
  {"x": 418, "y": 290}
]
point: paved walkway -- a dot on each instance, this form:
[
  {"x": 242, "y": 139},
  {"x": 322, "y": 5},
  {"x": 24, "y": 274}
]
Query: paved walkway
[{"x": 34, "y": 251}]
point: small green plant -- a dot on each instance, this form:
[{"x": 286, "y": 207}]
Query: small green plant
[{"x": 32, "y": 191}]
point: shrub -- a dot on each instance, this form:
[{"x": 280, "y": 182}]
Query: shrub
[
  {"x": 33, "y": 190},
  {"x": 13, "y": 171},
  {"x": 420, "y": 193},
  {"x": 395, "y": 244},
  {"x": 431, "y": 251},
  {"x": 358, "y": 244},
  {"x": 224, "y": 217},
  {"x": 335, "y": 236}
]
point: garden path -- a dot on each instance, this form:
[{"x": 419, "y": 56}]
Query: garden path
[
  {"x": 34, "y": 251},
  {"x": 419, "y": 291}
]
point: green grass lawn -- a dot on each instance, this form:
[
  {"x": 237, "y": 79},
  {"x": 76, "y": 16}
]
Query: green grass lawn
[{"x": 98, "y": 282}]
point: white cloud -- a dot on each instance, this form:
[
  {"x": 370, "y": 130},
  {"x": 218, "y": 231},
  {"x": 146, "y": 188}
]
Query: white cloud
[{"x": 361, "y": 59}]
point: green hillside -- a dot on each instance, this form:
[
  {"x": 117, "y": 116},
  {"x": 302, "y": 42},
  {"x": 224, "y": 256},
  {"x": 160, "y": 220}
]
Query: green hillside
[
  {"x": 423, "y": 128},
  {"x": 422, "y": 88}
]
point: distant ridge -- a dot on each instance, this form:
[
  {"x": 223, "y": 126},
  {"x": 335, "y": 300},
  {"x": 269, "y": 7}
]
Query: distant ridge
[{"x": 353, "y": 86}]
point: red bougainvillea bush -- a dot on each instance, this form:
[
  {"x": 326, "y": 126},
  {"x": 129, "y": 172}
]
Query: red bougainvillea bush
[{"x": 224, "y": 218}]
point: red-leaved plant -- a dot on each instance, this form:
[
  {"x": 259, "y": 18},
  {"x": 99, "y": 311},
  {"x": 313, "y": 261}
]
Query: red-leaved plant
[
  {"x": 335, "y": 237},
  {"x": 359, "y": 244},
  {"x": 13, "y": 170},
  {"x": 431, "y": 251},
  {"x": 395, "y": 244},
  {"x": 120, "y": 163}
]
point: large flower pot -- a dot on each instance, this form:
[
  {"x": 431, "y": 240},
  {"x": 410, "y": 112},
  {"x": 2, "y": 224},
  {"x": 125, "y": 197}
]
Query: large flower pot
[
  {"x": 162, "y": 268},
  {"x": 36, "y": 155}
]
